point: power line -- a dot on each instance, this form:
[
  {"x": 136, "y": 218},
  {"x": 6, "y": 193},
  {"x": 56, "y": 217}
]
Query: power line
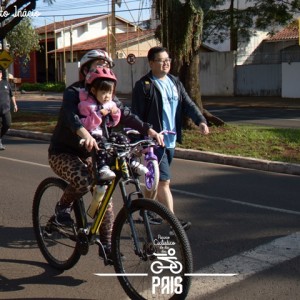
[{"x": 103, "y": 8}]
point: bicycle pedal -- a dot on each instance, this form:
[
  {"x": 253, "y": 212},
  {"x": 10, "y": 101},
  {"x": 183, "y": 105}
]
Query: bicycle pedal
[{"x": 82, "y": 243}]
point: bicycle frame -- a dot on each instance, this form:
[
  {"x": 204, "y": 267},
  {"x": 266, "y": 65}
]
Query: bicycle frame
[{"x": 124, "y": 176}]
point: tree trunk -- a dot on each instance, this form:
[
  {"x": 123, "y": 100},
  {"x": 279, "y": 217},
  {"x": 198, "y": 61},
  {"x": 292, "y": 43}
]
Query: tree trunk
[{"x": 183, "y": 40}]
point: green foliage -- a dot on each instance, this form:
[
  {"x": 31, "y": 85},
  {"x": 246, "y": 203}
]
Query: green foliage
[
  {"x": 30, "y": 86},
  {"x": 276, "y": 144},
  {"x": 44, "y": 87},
  {"x": 53, "y": 87},
  {"x": 23, "y": 39},
  {"x": 260, "y": 14}
]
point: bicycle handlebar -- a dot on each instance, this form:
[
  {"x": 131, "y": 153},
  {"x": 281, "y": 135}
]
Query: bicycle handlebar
[{"x": 126, "y": 147}]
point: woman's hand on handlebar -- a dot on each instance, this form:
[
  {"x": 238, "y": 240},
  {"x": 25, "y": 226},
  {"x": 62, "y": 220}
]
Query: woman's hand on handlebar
[
  {"x": 89, "y": 141},
  {"x": 157, "y": 136}
]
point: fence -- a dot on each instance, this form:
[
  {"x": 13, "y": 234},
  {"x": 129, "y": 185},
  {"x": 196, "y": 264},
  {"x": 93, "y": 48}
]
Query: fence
[{"x": 219, "y": 76}]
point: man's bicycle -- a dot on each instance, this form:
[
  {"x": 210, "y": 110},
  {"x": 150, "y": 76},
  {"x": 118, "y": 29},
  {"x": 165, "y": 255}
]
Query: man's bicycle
[{"x": 136, "y": 244}]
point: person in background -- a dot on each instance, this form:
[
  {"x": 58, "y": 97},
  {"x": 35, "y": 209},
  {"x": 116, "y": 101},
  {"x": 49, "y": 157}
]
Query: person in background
[
  {"x": 6, "y": 97},
  {"x": 71, "y": 161},
  {"x": 161, "y": 99}
]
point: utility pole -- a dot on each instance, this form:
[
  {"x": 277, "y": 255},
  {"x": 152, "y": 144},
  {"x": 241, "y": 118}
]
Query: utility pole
[
  {"x": 113, "y": 30},
  {"x": 3, "y": 41}
]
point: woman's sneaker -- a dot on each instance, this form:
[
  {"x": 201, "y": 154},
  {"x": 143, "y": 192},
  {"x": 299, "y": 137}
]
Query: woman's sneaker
[
  {"x": 63, "y": 215},
  {"x": 106, "y": 173}
]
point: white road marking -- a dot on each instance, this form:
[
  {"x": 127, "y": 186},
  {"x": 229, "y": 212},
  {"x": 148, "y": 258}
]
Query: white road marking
[
  {"x": 287, "y": 211},
  {"x": 247, "y": 264},
  {"x": 120, "y": 274},
  {"x": 25, "y": 162}
]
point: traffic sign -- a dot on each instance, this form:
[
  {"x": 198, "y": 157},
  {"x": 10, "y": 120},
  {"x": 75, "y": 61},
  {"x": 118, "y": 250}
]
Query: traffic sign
[
  {"x": 5, "y": 59},
  {"x": 131, "y": 59}
]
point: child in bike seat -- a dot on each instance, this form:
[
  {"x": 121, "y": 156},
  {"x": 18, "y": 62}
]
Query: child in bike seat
[{"x": 98, "y": 111}]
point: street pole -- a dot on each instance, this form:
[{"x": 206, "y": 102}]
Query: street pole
[
  {"x": 3, "y": 45},
  {"x": 113, "y": 29}
]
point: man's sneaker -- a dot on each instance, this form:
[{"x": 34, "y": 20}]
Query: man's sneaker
[
  {"x": 2, "y": 147},
  {"x": 185, "y": 224},
  {"x": 106, "y": 173},
  {"x": 63, "y": 215},
  {"x": 153, "y": 218}
]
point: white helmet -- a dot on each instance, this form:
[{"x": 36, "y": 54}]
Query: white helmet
[{"x": 93, "y": 55}]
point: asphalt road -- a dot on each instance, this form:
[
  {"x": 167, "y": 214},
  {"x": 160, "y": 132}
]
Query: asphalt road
[
  {"x": 245, "y": 222},
  {"x": 276, "y": 117}
]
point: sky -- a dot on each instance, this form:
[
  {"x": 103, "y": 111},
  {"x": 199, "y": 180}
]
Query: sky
[{"x": 131, "y": 10}]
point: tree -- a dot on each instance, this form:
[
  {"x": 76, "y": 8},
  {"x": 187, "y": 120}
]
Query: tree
[
  {"x": 181, "y": 32},
  {"x": 23, "y": 39},
  {"x": 241, "y": 22}
]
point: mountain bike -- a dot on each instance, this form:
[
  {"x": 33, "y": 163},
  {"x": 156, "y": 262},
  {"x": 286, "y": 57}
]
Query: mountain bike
[{"x": 136, "y": 244}]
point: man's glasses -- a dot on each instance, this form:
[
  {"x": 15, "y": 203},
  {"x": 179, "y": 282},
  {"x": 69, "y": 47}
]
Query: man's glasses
[{"x": 165, "y": 61}]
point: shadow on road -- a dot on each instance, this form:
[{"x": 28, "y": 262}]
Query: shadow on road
[{"x": 14, "y": 238}]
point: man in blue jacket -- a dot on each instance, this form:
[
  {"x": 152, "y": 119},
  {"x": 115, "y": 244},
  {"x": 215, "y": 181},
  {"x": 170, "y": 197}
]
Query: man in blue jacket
[{"x": 160, "y": 99}]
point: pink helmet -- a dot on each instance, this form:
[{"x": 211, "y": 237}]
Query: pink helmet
[{"x": 103, "y": 73}]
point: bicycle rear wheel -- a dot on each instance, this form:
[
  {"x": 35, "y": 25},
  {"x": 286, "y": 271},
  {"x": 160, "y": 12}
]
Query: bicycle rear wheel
[
  {"x": 58, "y": 244},
  {"x": 146, "y": 272}
]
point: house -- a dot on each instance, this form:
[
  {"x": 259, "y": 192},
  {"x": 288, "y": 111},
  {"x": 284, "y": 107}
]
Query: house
[
  {"x": 281, "y": 47},
  {"x": 67, "y": 41}
]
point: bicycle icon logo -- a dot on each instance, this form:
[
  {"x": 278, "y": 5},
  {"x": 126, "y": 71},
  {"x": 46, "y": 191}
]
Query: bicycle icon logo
[{"x": 174, "y": 266}]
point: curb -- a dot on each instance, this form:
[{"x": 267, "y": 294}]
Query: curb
[
  {"x": 239, "y": 161},
  {"x": 189, "y": 154}
]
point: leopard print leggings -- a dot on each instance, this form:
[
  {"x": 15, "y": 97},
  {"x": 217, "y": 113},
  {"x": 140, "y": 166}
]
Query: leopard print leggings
[{"x": 79, "y": 175}]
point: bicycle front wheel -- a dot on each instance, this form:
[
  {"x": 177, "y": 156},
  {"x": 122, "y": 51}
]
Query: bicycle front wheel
[
  {"x": 57, "y": 243},
  {"x": 158, "y": 267},
  {"x": 152, "y": 177}
]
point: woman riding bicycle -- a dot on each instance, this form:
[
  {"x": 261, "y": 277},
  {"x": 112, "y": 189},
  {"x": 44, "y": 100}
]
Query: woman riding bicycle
[{"x": 72, "y": 162}]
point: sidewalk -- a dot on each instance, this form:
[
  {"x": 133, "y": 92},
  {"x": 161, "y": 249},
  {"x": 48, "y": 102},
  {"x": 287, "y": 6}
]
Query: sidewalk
[
  {"x": 242, "y": 101},
  {"x": 232, "y": 101}
]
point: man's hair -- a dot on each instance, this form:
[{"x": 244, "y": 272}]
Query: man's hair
[{"x": 154, "y": 50}]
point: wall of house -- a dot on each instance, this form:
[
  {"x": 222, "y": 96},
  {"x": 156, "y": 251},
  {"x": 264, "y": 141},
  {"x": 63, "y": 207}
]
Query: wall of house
[
  {"x": 88, "y": 31},
  {"x": 290, "y": 80},
  {"x": 139, "y": 50},
  {"x": 258, "y": 80},
  {"x": 72, "y": 73},
  {"x": 216, "y": 73},
  {"x": 81, "y": 33},
  {"x": 218, "y": 77}
]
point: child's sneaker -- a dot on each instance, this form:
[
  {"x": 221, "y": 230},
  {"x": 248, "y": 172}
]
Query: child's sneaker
[
  {"x": 2, "y": 147},
  {"x": 106, "y": 173},
  {"x": 138, "y": 168}
]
